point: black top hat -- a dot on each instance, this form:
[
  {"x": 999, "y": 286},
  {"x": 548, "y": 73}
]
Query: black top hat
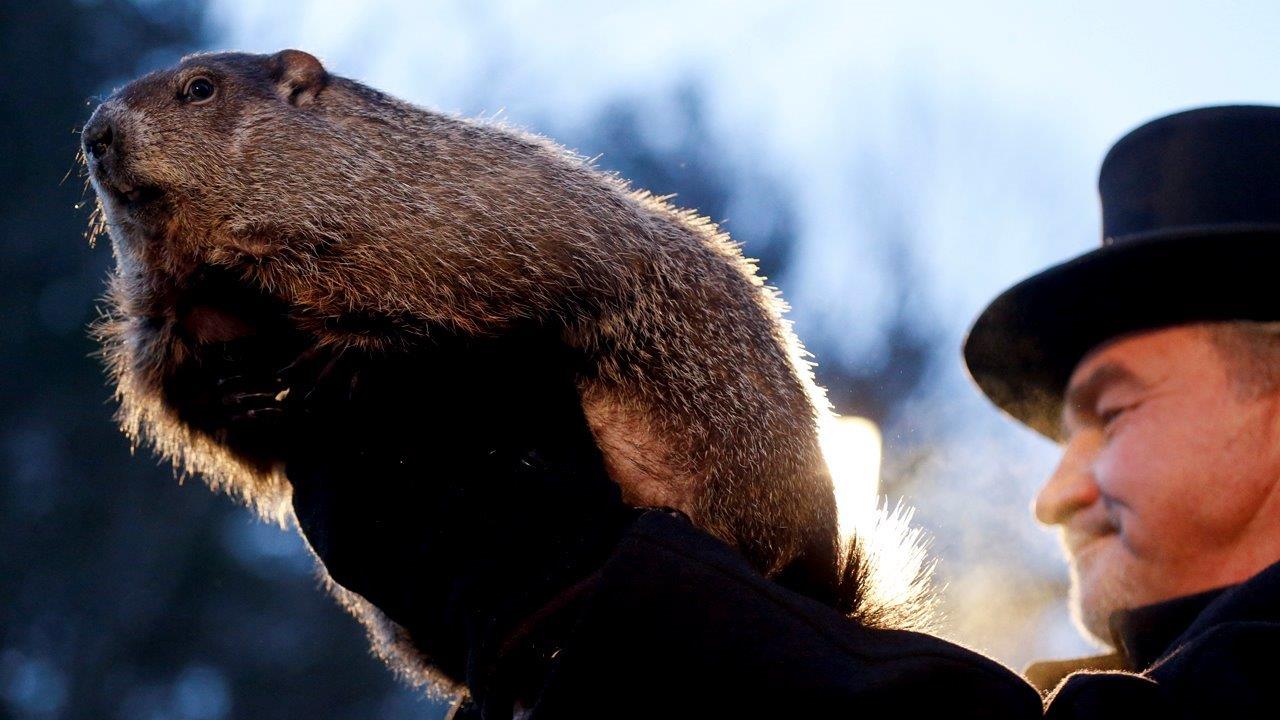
[{"x": 1191, "y": 232}]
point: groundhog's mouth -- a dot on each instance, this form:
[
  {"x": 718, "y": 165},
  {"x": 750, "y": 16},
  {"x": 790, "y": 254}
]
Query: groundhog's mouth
[
  {"x": 121, "y": 189},
  {"x": 131, "y": 195}
]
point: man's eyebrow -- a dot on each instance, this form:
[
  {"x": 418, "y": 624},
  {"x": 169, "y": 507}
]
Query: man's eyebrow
[{"x": 1084, "y": 393}]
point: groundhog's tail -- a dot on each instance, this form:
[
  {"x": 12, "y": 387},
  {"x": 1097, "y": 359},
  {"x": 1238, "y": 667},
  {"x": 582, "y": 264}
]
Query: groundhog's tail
[{"x": 885, "y": 576}]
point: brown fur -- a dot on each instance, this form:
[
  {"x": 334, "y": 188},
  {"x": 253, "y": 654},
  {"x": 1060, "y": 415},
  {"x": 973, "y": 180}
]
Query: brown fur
[{"x": 348, "y": 205}]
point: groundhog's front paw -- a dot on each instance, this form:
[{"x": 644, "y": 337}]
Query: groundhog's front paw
[
  {"x": 235, "y": 393},
  {"x": 318, "y": 379},
  {"x": 246, "y": 399}
]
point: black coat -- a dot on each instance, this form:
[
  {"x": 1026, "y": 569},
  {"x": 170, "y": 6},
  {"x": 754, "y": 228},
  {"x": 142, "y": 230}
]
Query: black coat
[{"x": 678, "y": 625}]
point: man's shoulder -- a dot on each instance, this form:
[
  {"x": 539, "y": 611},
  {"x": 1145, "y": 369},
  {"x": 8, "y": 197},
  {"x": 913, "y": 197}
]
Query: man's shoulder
[
  {"x": 1222, "y": 665},
  {"x": 1225, "y": 671}
]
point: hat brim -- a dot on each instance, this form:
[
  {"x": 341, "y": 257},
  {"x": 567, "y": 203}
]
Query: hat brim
[{"x": 1022, "y": 349}]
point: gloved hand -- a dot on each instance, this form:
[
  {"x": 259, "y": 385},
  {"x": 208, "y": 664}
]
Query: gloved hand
[{"x": 461, "y": 494}]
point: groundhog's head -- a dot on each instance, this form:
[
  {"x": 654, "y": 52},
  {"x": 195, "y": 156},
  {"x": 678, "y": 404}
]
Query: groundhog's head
[{"x": 183, "y": 153}]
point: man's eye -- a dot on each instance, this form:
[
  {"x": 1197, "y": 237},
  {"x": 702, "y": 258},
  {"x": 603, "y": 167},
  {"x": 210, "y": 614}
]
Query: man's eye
[
  {"x": 198, "y": 90},
  {"x": 1108, "y": 416}
]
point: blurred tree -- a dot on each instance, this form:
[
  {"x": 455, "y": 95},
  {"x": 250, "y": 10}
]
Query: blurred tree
[
  {"x": 686, "y": 158},
  {"x": 691, "y": 164},
  {"x": 124, "y": 594}
]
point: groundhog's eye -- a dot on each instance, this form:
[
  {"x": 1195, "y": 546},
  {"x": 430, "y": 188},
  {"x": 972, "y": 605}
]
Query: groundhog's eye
[{"x": 198, "y": 90}]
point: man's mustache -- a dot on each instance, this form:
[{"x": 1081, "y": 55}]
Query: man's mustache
[{"x": 1098, "y": 520}]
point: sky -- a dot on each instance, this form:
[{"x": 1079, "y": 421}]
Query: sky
[{"x": 975, "y": 128}]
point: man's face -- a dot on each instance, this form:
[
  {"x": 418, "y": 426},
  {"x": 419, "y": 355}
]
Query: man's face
[{"x": 1168, "y": 477}]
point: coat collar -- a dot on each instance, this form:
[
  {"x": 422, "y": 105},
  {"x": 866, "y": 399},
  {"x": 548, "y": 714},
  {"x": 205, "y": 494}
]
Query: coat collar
[
  {"x": 1255, "y": 600},
  {"x": 1144, "y": 634}
]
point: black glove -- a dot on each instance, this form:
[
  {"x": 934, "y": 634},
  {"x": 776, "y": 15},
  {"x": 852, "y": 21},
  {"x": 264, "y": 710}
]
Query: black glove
[{"x": 462, "y": 493}]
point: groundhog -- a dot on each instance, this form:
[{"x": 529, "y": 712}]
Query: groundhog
[{"x": 259, "y": 196}]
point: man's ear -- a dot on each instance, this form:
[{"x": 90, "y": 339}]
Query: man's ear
[{"x": 298, "y": 76}]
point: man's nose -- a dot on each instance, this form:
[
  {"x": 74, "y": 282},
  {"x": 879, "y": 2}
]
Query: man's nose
[
  {"x": 99, "y": 134},
  {"x": 1072, "y": 486}
]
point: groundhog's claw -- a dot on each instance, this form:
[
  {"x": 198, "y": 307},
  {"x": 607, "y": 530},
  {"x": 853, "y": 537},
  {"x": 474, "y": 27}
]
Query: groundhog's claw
[{"x": 244, "y": 398}]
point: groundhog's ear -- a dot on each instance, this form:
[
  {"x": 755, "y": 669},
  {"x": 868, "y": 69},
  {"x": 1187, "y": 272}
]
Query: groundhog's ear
[{"x": 299, "y": 76}]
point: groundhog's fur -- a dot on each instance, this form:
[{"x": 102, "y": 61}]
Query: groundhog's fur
[{"x": 372, "y": 224}]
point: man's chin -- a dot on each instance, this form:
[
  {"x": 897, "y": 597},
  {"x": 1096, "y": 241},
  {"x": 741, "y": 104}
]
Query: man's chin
[
  {"x": 1100, "y": 586},
  {"x": 1090, "y": 620}
]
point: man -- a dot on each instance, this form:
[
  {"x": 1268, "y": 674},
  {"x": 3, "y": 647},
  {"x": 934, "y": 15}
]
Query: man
[{"x": 1151, "y": 360}]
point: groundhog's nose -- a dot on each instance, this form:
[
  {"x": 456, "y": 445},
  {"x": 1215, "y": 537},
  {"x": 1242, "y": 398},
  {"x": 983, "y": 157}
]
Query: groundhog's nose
[{"x": 98, "y": 135}]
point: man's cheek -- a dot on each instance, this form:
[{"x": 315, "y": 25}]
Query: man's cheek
[
  {"x": 1155, "y": 528},
  {"x": 1129, "y": 469}
]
